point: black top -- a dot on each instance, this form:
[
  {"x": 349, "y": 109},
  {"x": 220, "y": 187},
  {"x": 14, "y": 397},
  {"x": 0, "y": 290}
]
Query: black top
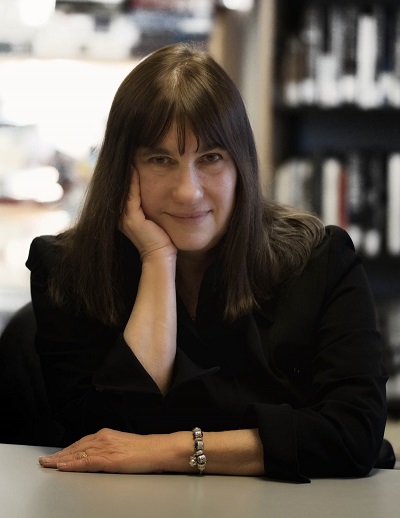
[{"x": 306, "y": 369}]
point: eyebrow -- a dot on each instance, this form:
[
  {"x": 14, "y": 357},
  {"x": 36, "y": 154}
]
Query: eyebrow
[{"x": 148, "y": 151}]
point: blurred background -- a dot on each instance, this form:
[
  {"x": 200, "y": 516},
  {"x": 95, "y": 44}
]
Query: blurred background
[{"x": 321, "y": 81}]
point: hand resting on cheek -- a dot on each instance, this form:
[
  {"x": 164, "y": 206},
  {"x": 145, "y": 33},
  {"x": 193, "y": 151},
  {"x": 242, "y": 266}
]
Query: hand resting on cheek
[{"x": 147, "y": 236}]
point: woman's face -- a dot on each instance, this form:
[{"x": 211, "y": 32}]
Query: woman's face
[{"x": 191, "y": 196}]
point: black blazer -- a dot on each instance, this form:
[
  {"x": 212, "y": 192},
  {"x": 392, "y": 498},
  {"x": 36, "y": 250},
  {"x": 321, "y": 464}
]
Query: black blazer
[{"x": 306, "y": 369}]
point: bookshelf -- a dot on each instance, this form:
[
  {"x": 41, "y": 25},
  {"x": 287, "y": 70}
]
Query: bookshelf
[{"x": 336, "y": 138}]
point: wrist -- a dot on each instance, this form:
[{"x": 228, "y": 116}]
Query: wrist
[
  {"x": 165, "y": 253},
  {"x": 159, "y": 264},
  {"x": 178, "y": 447},
  {"x": 159, "y": 259}
]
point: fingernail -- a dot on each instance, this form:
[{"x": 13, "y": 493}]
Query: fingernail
[
  {"x": 61, "y": 464},
  {"x": 44, "y": 460}
]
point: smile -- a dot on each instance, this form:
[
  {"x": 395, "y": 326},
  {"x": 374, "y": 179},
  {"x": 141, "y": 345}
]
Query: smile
[{"x": 193, "y": 217}]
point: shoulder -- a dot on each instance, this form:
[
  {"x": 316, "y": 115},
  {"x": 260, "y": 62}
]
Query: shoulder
[
  {"x": 43, "y": 254},
  {"x": 337, "y": 236},
  {"x": 332, "y": 261},
  {"x": 334, "y": 267},
  {"x": 336, "y": 250}
]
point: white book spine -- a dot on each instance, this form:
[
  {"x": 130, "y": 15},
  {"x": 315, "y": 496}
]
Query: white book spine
[
  {"x": 393, "y": 204},
  {"x": 367, "y": 53},
  {"x": 330, "y": 206},
  {"x": 327, "y": 85}
]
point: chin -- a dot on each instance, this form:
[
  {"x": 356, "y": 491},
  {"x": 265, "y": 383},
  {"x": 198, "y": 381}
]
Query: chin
[{"x": 193, "y": 247}]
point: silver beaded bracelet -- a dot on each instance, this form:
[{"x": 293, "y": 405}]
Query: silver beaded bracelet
[{"x": 198, "y": 459}]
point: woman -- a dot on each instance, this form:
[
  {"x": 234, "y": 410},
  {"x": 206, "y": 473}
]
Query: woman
[{"x": 182, "y": 299}]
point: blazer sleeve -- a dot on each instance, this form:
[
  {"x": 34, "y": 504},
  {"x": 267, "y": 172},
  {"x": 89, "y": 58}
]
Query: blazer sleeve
[
  {"x": 88, "y": 368},
  {"x": 328, "y": 313}
]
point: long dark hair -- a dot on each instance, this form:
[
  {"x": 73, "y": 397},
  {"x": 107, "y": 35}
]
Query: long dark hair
[{"x": 265, "y": 245}]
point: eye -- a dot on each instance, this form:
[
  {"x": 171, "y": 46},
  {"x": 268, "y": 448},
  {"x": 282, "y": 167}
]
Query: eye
[
  {"x": 212, "y": 157},
  {"x": 160, "y": 160}
]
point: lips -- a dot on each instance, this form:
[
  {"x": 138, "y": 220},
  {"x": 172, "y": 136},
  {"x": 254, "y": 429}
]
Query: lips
[
  {"x": 191, "y": 215},
  {"x": 189, "y": 218}
]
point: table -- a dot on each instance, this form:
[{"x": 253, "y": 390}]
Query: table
[{"x": 29, "y": 491}]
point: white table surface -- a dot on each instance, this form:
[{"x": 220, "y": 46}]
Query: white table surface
[{"x": 29, "y": 491}]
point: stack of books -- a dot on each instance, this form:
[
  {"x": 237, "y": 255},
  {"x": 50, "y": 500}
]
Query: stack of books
[
  {"x": 359, "y": 192},
  {"x": 343, "y": 53}
]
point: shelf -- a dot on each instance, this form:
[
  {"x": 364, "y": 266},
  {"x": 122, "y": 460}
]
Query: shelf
[
  {"x": 339, "y": 130},
  {"x": 343, "y": 110},
  {"x": 319, "y": 131}
]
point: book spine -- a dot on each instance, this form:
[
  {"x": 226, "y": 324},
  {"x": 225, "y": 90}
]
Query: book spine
[
  {"x": 367, "y": 52},
  {"x": 311, "y": 36},
  {"x": 327, "y": 61},
  {"x": 355, "y": 197},
  {"x": 293, "y": 183},
  {"x": 395, "y": 90},
  {"x": 347, "y": 78},
  {"x": 330, "y": 195},
  {"x": 393, "y": 204},
  {"x": 374, "y": 200}
]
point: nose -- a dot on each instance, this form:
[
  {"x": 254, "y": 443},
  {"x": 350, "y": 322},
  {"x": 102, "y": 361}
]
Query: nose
[{"x": 188, "y": 188}]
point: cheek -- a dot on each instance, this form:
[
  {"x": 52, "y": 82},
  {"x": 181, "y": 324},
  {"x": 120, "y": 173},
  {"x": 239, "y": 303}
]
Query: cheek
[{"x": 228, "y": 190}]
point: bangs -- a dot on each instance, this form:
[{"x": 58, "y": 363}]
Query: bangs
[{"x": 205, "y": 124}]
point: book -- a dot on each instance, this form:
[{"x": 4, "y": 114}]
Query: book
[
  {"x": 328, "y": 60},
  {"x": 311, "y": 37},
  {"x": 374, "y": 220},
  {"x": 331, "y": 191},
  {"x": 347, "y": 79},
  {"x": 366, "y": 59},
  {"x": 394, "y": 96},
  {"x": 293, "y": 183},
  {"x": 393, "y": 204},
  {"x": 355, "y": 197},
  {"x": 292, "y": 71}
]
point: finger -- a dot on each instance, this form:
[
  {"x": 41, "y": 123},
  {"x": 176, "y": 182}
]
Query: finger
[
  {"x": 52, "y": 461},
  {"x": 76, "y": 462},
  {"x": 133, "y": 216},
  {"x": 133, "y": 201},
  {"x": 77, "y": 447},
  {"x": 88, "y": 463},
  {"x": 134, "y": 190}
]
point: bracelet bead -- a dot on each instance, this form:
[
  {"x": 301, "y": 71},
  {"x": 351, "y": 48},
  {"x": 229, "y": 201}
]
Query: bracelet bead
[
  {"x": 198, "y": 459},
  {"x": 193, "y": 461},
  {"x": 201, "y": 460},
  {"x": 197, "y": 433}
]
